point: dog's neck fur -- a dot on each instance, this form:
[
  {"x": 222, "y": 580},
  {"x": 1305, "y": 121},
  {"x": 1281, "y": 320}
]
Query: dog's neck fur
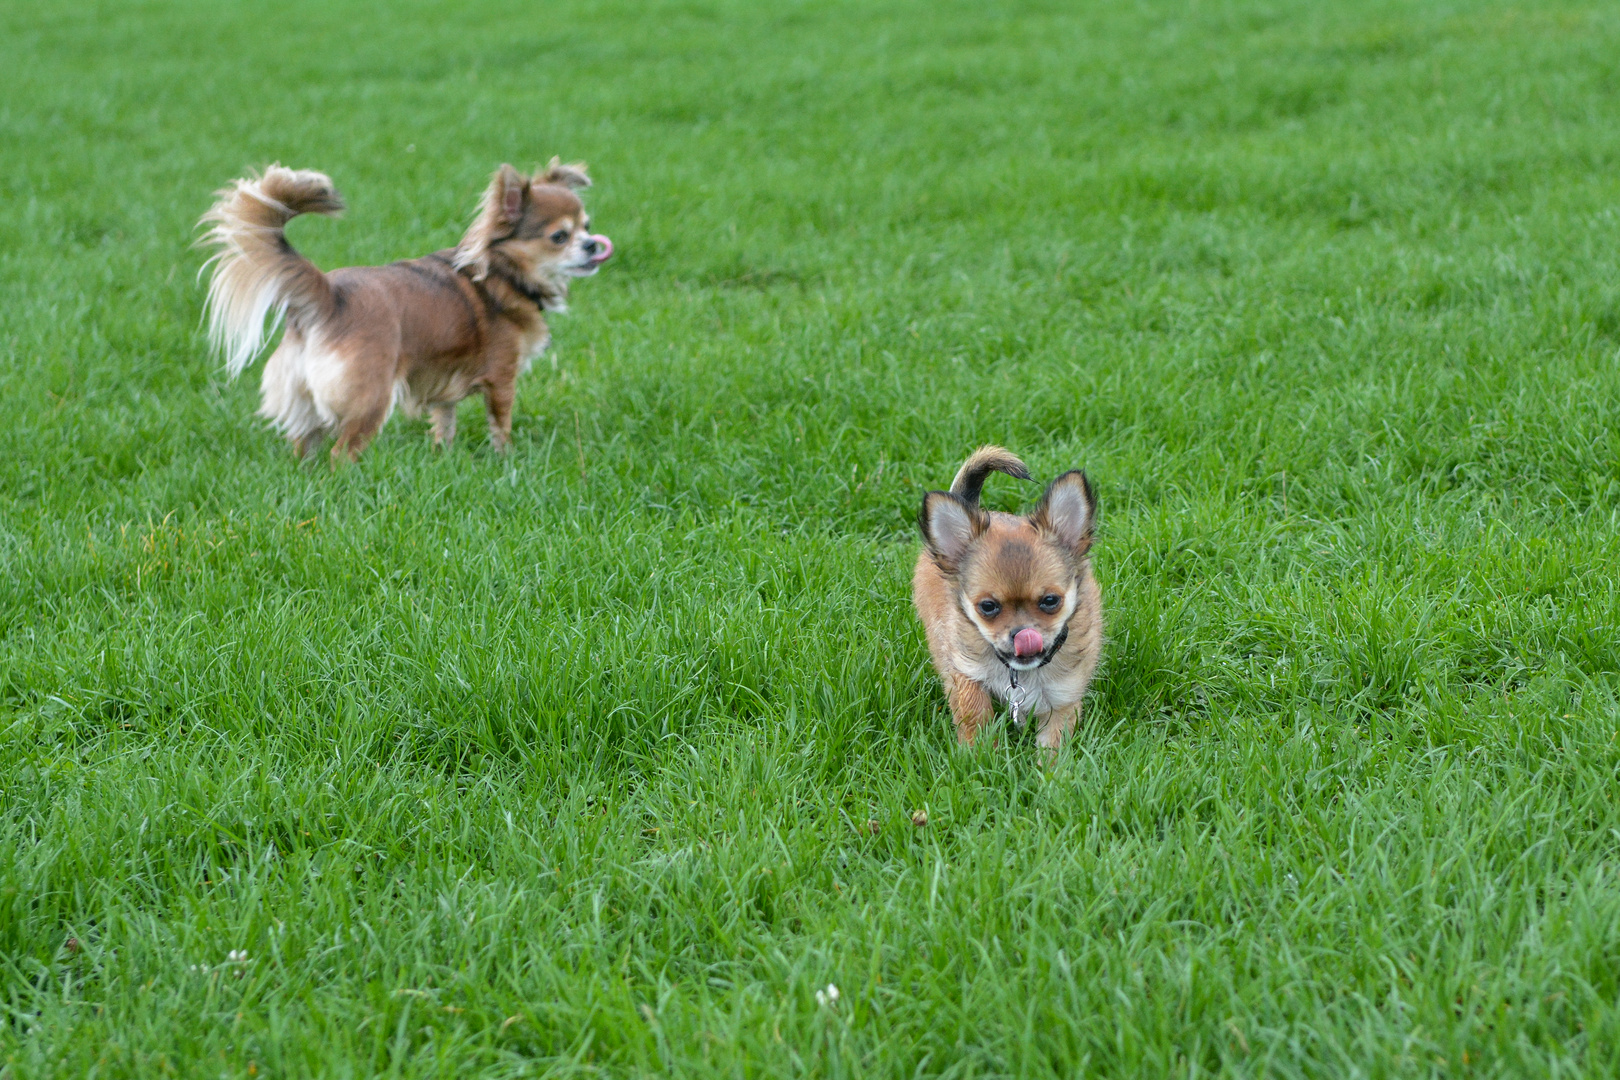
[{"x": 545, "y": 293}]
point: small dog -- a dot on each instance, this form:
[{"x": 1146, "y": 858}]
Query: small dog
[
  {"x": 422, "y": 333},
  {"x": 1009, "y": 603}
]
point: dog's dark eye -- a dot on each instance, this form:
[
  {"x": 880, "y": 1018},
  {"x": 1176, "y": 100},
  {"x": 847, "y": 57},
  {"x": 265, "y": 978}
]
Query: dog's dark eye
[
  {"x": 989, "y": 608},
  {"x": 560, "y": 236},
  {"x": 1051, "y": 602}
]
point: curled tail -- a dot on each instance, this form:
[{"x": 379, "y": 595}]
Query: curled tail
[
  {"x": 257, "y": 274},
  {"x": 980, "y": 464}
]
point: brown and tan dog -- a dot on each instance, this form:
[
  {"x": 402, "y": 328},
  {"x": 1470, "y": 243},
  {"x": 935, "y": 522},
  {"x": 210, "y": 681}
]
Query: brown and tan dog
[
  {"x": 1009, "y": 603},
  {"x": 422, "y": 333}
]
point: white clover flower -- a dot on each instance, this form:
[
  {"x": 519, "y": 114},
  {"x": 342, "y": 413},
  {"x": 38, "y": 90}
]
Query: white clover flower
[{"x": 828, "y": 997}]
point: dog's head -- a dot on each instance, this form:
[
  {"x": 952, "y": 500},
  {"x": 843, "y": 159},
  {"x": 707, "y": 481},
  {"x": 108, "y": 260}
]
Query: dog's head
[
  {"x": 1017, "y": 579},
  {"x": 537, "y": 225}
]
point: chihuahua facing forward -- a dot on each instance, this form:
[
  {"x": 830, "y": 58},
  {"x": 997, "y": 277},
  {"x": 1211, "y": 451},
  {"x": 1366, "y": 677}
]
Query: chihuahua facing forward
[
  {"x": 1009, "y": 603},
  {"x": 423, "y": 333}
]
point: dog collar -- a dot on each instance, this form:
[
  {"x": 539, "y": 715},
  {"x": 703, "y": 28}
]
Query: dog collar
[{"x": 534, "y": 295}]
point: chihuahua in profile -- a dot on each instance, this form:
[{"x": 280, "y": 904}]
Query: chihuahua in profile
[
  {"x": 1009, "y": 603},
  {"x": 421, "y": 333}
]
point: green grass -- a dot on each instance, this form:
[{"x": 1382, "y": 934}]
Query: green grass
[{"x": 562, "y": 763}]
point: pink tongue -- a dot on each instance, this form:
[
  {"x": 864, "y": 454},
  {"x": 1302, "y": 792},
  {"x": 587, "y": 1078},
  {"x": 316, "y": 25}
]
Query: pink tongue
[
  {"x": 607, "y": 248},
  {"x": 1028, "y": 642}
]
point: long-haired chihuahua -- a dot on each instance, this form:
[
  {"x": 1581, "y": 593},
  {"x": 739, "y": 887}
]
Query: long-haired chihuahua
[
  {"x": 1009, "y": 603},
  {"x": 421, "y": 333}
]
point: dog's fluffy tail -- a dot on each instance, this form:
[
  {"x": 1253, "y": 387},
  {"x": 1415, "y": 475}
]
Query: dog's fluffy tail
[
  {"x": 257, "y": 274},
  {"x": 980, "y": 464}
]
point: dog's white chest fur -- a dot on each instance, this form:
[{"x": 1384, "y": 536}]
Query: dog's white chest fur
[
  {"x": 1037, "y": 691},
  {"x": 533, "y": 348}
]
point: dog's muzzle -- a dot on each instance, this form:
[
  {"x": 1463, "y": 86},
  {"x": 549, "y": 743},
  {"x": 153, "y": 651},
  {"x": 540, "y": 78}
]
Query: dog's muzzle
[
  {"x": 598, "y": 250},
  {"x": 1031, "y": 655}
]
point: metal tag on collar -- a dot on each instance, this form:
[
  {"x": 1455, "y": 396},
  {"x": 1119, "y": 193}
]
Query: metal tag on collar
[{"x": 1015, "y": 696}]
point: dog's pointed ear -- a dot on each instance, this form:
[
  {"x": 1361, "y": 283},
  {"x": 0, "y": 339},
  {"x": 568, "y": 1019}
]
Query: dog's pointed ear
[
  {"x": 949, "y": 527},
  {"x": 498, "y": 211},
  {"x": 571, "y": 175},
  {"x": 506, "y": 191},
  {"x": 1068, "y": 512}
]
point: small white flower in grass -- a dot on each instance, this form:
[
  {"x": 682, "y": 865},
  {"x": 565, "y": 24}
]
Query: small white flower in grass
[
  {"x": 237, "y": 956},
  {"x": 828, "y": 997}
]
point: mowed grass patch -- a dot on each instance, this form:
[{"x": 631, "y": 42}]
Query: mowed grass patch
[{"x": 604, "y": 756}]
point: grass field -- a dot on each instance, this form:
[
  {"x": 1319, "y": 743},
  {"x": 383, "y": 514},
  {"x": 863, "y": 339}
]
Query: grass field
[{"x": 562, "y": 763}]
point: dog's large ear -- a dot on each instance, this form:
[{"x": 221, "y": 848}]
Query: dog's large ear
[
  {"x": 498, "y": 211},
  {"x": 569, "y": 176},
  {"x": 1068, "y": 512},
  {"x": 949, "y": 527},
  {"x": 509, "y": 185}
]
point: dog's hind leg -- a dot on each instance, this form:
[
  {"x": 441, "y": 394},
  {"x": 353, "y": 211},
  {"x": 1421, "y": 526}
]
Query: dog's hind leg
[
  {"x": 360, "y": 427},
  {"x": 355, "y": 435},
  {"x": 362, "y": 415},
  {"x": 444, "y": 424},
  {"x": 286, "y": 400},
  {"x": 306, "y": 444}
]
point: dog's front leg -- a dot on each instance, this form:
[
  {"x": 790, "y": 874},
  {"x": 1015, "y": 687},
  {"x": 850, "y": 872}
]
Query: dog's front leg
[
  {"x": 498, "y": 403},
  {"x": 1056, "y": 727},
  {"x": 970, "y": 707},
  {"x": 444, "y": 425}
]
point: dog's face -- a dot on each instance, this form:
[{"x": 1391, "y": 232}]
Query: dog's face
[
  {"x": 1018, "y": 580},
  {"x": 538, "y": 224},
  {"x": 552, "y": 234}
]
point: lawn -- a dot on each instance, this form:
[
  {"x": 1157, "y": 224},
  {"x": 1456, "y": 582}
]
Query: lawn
[{"x": 601, "y": 757}]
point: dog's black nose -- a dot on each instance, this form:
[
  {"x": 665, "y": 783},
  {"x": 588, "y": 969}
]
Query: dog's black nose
[{"x": 591, "y": 246}]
